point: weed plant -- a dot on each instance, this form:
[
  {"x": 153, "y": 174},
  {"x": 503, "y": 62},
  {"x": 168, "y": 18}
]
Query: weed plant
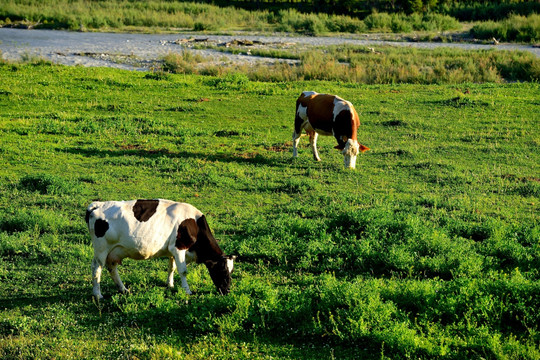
[{"x": 430, "y": 249}]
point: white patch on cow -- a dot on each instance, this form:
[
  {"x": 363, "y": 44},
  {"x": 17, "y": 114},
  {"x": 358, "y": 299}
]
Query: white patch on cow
[
  {"x": 340, "y": 105},
  {"x": 350, "y": 152},
  {"x": 230, "y": 265},
  {"x": 309, "y": 93},
  {"x": 302, "y": 112}
]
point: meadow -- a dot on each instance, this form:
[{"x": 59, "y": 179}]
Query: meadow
[{"x": 428, "y": 250}]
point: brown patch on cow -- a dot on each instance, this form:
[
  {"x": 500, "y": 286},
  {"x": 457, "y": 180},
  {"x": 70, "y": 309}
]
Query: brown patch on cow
[
  {"x": 101, "y": 227},
  {"x": 364, "y": 148},
  {"x": 320, "y": 111},
  {"x": 186, "y": 235},
  {"x": 144, "y": 209}
]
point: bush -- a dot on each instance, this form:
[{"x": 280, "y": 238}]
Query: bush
[
  {"x": 231, "y": 81},
  {"x": 345, "y": 24},
  {"x": 293, "y": 21},
  {"x": 379, "y": 21},
  {"x": 406, "y": 23}
]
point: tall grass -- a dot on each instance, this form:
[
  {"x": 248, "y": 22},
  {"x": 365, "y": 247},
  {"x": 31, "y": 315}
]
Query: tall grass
[
  {"x": 515, "y": 28},
  {"x": 130, "y": 15},
  {"x": 401, "y": 23},
  {"x": 488, "y": 10},
  {"x": 383, "y": 65}
]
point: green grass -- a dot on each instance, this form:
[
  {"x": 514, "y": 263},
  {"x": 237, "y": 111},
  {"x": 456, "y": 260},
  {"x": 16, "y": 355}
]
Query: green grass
[{"x": 429, "y": 249}]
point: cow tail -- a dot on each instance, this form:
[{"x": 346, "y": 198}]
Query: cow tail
[
  {"x": 298, "y": 121},
  {"x": 89, "y": 213}
]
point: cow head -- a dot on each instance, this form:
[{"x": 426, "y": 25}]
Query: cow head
[
  {"x": 220, "y": 272},
  {"x": 350, "y": 152}
]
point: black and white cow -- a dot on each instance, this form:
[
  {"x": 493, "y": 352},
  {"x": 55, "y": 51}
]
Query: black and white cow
[{"x": 145, "y": 229}]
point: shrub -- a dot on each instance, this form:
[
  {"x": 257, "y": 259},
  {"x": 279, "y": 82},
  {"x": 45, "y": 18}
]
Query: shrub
[
  {"x": 379, "y": 21},
  {"x": 231, "y": 81},
  {"x": 345, "y": 24},
  {"x": 183, "y": 63},
  {"x": 293, "y": 21}
]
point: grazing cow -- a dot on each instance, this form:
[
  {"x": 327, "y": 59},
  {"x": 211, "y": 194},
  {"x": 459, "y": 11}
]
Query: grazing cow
[
  {"x": 327, "y": 115},
  {"x": 145, "y": 229}
]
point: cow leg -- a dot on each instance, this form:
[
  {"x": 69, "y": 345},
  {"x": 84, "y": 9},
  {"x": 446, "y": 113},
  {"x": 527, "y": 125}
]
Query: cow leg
[
  {"x": 180, "y": 259},
  {"x": 170, "y": 278},
  {"x": 97, "y": 267},
  {"x": 295, "y": 140},
  {"x": 313, "y": 141},
  {"x": 113, "y": 270}
]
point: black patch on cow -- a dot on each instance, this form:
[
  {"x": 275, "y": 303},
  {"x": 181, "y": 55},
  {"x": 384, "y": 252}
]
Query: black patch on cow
[
  {"x": 343, "y": 125},
  {"x": 198, "y": 238},
  {"x": 101, "y": 227},
  {"x": 207, "y": 246},
  {"x": 186, "y": 235},
  {"x": 144, "y": 209}
]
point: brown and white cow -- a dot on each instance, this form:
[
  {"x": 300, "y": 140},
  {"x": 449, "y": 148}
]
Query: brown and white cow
[
  {"x": 145, "y": 229},
  {"x": 328, "y": 115}
]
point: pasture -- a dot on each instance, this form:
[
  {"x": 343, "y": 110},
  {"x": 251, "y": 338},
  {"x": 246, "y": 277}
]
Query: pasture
[{"x": 429, "y": 249}]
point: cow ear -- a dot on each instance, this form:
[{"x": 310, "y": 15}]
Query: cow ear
[{"x": 187, "y": 234}]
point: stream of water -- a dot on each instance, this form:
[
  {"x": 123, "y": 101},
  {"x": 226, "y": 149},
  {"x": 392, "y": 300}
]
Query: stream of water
[{"x": 142, "y": 51}]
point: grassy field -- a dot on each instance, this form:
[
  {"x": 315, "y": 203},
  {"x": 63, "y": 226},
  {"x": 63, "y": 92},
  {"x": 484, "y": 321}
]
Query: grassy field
[{"x": 429, "y": 249}]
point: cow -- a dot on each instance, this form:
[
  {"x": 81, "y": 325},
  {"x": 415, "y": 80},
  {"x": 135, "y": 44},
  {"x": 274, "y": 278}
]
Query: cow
[
  {"x": 328, "y": 115},
  {"x": 146, "y": 229}
]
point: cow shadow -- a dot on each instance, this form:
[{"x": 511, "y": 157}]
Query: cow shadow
[
  {"x": 14, "y": 302},
  {"x": 254, "y": 159}
]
